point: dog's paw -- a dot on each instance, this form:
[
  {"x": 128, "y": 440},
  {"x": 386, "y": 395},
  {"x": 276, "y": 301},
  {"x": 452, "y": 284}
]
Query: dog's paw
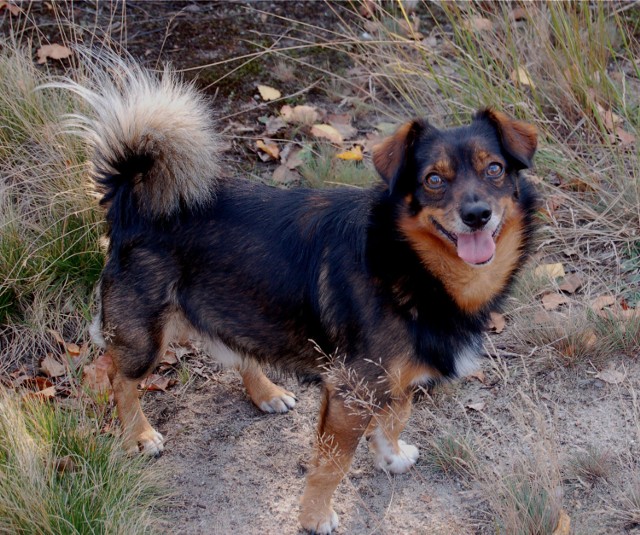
[
  {"x": 319, "y": 523},
  {"x": 397, "y": 463},
  {"x": 149, "y": 442},
  {"x": 281, "y": 402}
]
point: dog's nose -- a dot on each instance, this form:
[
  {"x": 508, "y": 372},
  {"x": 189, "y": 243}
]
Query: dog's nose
[{"x": 475, "y": 214}]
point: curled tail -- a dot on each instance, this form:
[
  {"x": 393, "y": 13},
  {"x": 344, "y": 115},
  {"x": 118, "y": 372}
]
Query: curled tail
[{"x": 155, "y": 149}]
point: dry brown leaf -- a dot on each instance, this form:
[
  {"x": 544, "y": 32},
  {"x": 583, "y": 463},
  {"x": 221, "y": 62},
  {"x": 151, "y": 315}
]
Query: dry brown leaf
[
  {"x": 551, "y": 301},
  {"x": 52, "y": 367},
  {"x": 342, "y": 123},
  {"x": 325, "y": 131},
  {"x": 564, "y": 524},
  {"x": 274, "y": 125},
  {"x": 572, "y": 282},
  {"x": 480, "y": 405},
  {"x": 611, "y": 376},
  {"x": 478, "y": 24},
  {"x": 65, "y": 464},
  {"x": 11, "y": 8},
  {"x": 170, "y": 358},
  {"x": 303, "y": 114},
  {"x": 602, "y": 301},
  {"x": 354, "y": 154},
  {"x": 626, "y": 138},
  {"x": 156, "y": 382},
  {"x": 73, "y": 349},
  {"x": 95, "y": 376},
  {"x": 268, "y": 93},
  {"x": 284, "y": 175},
  {"x": 269, "y": 148},
  {"x": 552, "y": 271},
  {"x": 521, "y": 76},
  {"x": 57, "y": 337},
  {"x": 54, "y": 51},
  {"x": 292, "y": 158},
  {"x": 45, "y": 393},
  {"x": 478, "y": 375},
  {"x": 497, "y": 322}
]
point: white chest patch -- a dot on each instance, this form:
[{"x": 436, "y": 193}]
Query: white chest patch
[{"x": 467, "y": 361}]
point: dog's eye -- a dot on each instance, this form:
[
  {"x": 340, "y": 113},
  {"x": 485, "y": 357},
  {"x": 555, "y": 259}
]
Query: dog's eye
[
  {"x": 495, "y": 170},
  {"x": 433, "y": 181}
]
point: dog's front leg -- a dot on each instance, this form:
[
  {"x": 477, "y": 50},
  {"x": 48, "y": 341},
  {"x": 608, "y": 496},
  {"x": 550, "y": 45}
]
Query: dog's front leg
[{"x": 339, "y": 430}]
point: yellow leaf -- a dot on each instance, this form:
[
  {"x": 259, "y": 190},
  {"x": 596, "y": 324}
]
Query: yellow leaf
[
  {"x": 326, "y": 131},
  {"x": 354, "y": 154},
  {"x": 521, "y": 76},
  {"x": 564, "y": 524},
  {"x": 52, "y": 51},
  {"x": 549, "y": 270},
  {"x": 268, "y": 93},
  {"x": 269, "y": 148}
]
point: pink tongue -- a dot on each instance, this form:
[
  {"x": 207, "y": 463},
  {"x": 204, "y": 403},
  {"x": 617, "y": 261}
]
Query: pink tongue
[{"x": 476, "y": 248}]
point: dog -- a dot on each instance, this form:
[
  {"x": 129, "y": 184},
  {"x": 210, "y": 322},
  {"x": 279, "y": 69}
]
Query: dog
[{"x": 370, "y": 291}]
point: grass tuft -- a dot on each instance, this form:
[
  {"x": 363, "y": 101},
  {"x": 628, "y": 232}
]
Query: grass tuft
[{"x": 59, "y": 474}]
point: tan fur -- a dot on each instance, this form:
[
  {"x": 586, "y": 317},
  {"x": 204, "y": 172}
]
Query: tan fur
[
  {"x": 471, "y": 286},
  {"x": 339, "y": 431},
  {"x": 259, "y": 387},
  {"x": 388, "y": 155},
  {"x": 392, "y": 419},
  {"x": 519, "y": 137}
]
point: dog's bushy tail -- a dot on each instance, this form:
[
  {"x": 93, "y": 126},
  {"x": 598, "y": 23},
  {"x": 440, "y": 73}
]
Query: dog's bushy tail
[{"x": 155, "y": 148}]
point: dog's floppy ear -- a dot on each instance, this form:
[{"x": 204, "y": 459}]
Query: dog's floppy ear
[
  {"x": 390, "y": 157},
  {"x": 518, "y": 138}
]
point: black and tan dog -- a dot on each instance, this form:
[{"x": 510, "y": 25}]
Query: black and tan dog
[{"x": 395, "y": 282}]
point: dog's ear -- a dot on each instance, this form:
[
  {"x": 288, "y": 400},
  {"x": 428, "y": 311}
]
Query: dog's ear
[
  {"x": 391, "y": 157},
  {"x": 518, "y": 138}
]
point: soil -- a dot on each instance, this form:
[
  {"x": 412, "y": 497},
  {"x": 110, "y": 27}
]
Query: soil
[{"x": 231, "y": 468}]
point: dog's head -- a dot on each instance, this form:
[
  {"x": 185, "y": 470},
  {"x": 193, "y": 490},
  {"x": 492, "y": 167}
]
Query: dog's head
[{"x": 459, "y": 186}]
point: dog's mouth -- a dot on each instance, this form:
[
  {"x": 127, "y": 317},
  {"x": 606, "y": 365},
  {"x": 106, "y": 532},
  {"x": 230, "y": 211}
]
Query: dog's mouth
[{"x": 476, "y": 248}]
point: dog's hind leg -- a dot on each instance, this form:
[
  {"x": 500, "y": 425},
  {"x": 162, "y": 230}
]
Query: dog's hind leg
[
  {"x": 391, "y": 454},
  {"x": 340, "y": 428},
  {"x": 138, "y": 435},
  {"x": 267, "y": 396}
]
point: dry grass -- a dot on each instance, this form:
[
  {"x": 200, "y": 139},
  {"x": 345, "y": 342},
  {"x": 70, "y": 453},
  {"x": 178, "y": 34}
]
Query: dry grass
[{"x": 592, "y": 465}]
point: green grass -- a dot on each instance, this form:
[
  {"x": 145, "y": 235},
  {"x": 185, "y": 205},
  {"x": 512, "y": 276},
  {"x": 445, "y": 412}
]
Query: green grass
[
  {"x": 60, "y": 474},
  {"x": 323, "y": 169}
]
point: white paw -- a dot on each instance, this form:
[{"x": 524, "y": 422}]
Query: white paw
[
  {"x": 397, "y": 463},
  {"x": 281, "y": 403},
  {"x": 149, "y": 443},
  {"x": 324, "y": 526}
]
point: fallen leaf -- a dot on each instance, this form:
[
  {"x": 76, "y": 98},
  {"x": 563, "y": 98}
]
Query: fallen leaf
[
  {"x": 274, "y": 125},
  {"x": 156, "y": 382},
  {"x": 478, "y": 375},
  {"x": 268, "y": 93},
  {"x": 626, "y": 138},
  {"x": 549, "y": 270},
  {"x": 52, "y": 367},
  {"x": 306, "y": 115},
  {"x": 326, "y": 131},
  {"x": 551, "y": 301},
  {"x": 72, "y": 349},
  {"x": 564, "y": 524},
  {"x": 46, "y": 393},
  {"x": 480, "y": 405},
  {"x": 571, "y": 283},
  {"x": 342, "y": 123},
  {"x": 170, "y": 358},
  {"x": 284, "y": 175},
  {"x": 478, "y": 24},
  {"x": 94, "y": 375},
  {"x": 270, "y": 148},
  {"x": 292, "y": 156},
  {"x": 65, "y": 464},
  {"x": 521, "y": 76},
  {"x": 610, "y": 120},
  {"x": 601, "y": 302},
  {"x": 11, "y": 8},
  {"x": 354, "y": 154},
  {"x": 613, "y": 377},
  {"x": 57, "y": 337},
  {"x": 496, "y": 322},
  {"x": 54, "y": 51}
]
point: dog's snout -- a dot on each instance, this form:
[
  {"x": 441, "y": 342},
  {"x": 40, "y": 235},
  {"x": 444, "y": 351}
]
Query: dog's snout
[{"x": 475, "y": 214}]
